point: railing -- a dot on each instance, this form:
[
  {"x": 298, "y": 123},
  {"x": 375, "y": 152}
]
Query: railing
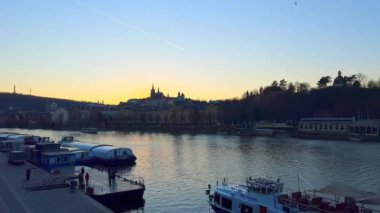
[
  {"x": 133, "y": 179},
  {"x": 321, "y": 205},
  {"x": 44, "y": 183}
]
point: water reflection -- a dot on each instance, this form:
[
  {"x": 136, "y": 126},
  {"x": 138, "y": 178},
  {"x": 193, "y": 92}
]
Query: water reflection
[{"x": 177, "y": 168}]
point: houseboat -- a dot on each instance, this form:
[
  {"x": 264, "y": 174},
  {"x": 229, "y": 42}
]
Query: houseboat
[
  {"x": 324, "y": 128},
  {"x": 265, "y": 195},
  {"x": 102, "y": 154},
  {"x": 365, "y": 130}
]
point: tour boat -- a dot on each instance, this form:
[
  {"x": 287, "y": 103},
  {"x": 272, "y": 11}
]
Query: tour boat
[{"x": 265, "y": 195}]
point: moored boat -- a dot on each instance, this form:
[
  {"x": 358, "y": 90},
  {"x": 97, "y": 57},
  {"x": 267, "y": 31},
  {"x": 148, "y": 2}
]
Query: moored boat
[
  {"x": 265, "y": 195},
  {"x": 101, "y": 154}
]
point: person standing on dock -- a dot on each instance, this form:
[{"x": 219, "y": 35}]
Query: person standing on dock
[
  {"x": 80, "y": 178},
  {"x": 28, "y": 174},
  {"x": 82, "y": 170},
  {"x": 87, "y": 178},
  {"x": 109, "y": 176}
]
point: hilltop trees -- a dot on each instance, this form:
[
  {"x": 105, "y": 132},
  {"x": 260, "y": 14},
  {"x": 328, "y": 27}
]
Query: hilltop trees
[
  {"x": 322, "y": 83},
  {"x": 291, "y": 88},
  {"x": 350, "y": 80},
  {"x": 283, "y": 84}
]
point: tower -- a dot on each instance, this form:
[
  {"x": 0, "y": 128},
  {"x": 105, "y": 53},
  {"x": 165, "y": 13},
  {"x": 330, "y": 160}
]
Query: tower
[
  {"x": 14, "y": 89},
  {"x": 152, "y": 91}
]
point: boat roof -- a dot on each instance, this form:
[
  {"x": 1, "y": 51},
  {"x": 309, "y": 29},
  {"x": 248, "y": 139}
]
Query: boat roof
[
  {"x": 337, "y": 188},
  {"x": 74, "y": 149},
  {"x": 57, "y": 153},
  {"x": 11, "y": 141},
  {"x": 373, "y": 200},
  {"x": 346, "y": 119},
  {"x": 80, "y": 145},
  {"x": 16, "y": 136},
  {"x": 263, "y": 182},
  {"x": 107, "y": 148}
]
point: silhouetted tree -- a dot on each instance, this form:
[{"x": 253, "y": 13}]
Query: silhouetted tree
[
  {"x": 304, "y": 87},
  {"x": 356, "y": 84},
  {"x": 350, "y": 79},
  {"x": 274, "y": 84},
  {"x": 322, "y": 83},
  {"x": 372, "y": 84},
  {"x": 362, "y": 79},
  {"x": 291, "y": 88},
  {"x": 283, "y": 84}
]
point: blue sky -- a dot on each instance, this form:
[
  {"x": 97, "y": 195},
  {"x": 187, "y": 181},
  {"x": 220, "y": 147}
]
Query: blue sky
[{"x": 114, "y": 50}]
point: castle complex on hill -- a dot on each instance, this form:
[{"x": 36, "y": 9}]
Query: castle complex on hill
[{"x": 160, "y": 95}]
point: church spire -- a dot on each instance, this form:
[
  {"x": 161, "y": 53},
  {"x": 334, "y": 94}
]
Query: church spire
[{"x": 152, "y": 91}]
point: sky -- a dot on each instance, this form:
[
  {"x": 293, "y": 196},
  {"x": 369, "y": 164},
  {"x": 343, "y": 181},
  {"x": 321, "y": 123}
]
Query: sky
[{"x": 114, "y": 50}]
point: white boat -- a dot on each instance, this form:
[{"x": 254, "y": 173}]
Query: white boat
[
  {"x": 99, "y": 153},
  {"x": 90, "y": 130},
  {"x": 265, "y": 195}
]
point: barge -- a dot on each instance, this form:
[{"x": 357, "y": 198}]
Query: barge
[{"x": 113, "y": 190}]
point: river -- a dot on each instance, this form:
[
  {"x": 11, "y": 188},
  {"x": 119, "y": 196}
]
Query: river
[{"x": 178, "y": 168}]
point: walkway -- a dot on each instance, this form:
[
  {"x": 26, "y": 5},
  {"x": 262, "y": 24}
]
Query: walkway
[{"x": 13, "y": 198}]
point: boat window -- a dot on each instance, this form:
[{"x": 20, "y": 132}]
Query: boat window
[
  {"x": 375, "y": 131},
  {"x": 65, "y": 159},
  {"x": 217, "y": 198},
  {"x": 320, "y": 126},
  {"x": 301, "y": 126},
  {"x": 331, "y": 127},
  {"x": 341, "y": 127},
  {"x": 226, "y": 203},
  {"x": 369, "y": 130},
  {"x": 58, "y": 160},
  {"x": 336, "y": 127},
  {"x": 245, "y": 209},
  {"x": 263, "y": 191},
  {"x": 325, "y": 126}
]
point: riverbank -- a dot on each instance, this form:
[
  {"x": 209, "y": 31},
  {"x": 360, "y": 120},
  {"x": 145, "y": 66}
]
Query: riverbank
[{"x": 14, "y": 198}]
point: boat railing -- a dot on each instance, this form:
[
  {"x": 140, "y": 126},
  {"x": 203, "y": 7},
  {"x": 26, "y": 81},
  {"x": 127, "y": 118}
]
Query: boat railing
[
  {"x": 44, "y": 183},
  {"x": 133, "y": 179},
  {"x": 319, "y": 204}
]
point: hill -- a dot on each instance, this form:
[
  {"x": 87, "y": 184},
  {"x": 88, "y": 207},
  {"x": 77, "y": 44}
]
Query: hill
[{"x": 32, "y": 103}]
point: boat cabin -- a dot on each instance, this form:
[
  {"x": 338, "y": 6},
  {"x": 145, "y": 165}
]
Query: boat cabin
[
  {"x": 52, "y": 160},
  {"x": 110, "y": 152},
  {"x": 365, "y": 127},
  {"x": 80, "y": 155},
  {"x": 67, "y": 139},
  {"x": 325, "y": 125},
  {"x": 11, "y": 145},
  {"x": 265, "y": 186},
  {"x": 17, "y": 157}
]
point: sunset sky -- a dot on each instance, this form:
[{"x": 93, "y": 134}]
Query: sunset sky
[{"x": 114, "y": 50}]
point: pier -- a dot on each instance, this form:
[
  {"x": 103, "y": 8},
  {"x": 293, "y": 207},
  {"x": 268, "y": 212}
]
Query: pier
[{"x": 15, "y": 196}]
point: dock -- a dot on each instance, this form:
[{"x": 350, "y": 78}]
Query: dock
[
  {"x": 15, "y": 196},
  {"x": 99, "y": 181},
  {"x": 119, "y": 194}
]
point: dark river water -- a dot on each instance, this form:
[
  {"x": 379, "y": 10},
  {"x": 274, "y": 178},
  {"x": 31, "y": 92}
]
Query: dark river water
[{"x": 177, "y": 168}]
